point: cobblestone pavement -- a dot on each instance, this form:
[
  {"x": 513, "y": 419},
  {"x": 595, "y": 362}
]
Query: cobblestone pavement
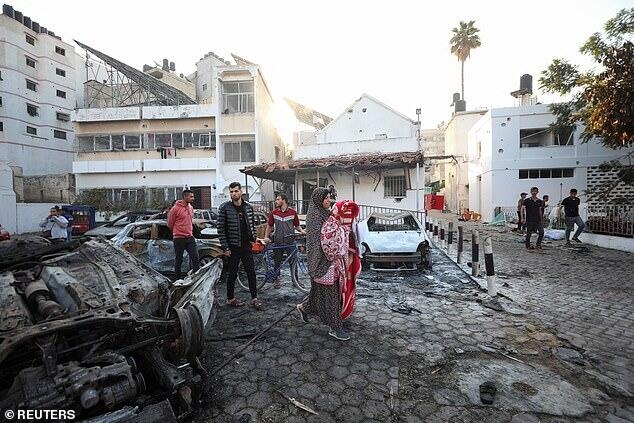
[{"x": 422, "y": 343}]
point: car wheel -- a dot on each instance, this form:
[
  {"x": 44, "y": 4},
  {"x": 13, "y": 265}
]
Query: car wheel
[
  {"x": 425, "y": 257},
  {"x": 365, "y": 265}
]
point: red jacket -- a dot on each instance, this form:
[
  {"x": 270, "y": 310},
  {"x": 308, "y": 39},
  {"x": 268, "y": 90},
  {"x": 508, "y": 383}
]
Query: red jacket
[{"x": 179, "y": 219}]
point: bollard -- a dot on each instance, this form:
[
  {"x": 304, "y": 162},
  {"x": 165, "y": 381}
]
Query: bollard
[
  {"x": 450, "y": 237},
  {"x": 475, "y": 253},
  {"x": 442, "y": 235},
  {"x": 460, "y": 241},
  {"x": 488, "y": 264},
  {"x": 435, "y": 232}
]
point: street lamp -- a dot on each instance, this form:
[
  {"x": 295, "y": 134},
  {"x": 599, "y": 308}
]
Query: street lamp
[{"x": 418, "y": 123}]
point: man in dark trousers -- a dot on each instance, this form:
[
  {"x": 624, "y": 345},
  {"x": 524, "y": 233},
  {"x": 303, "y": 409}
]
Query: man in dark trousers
[
  {"x": 532, "y": 216},
  {"x": 236, "y": 230},
  {"x": 520, "y": 203},
  {"x": 284, "y": 221},
  {"x": 571, "y": 210},
  {"x": 180, "y": 221}
]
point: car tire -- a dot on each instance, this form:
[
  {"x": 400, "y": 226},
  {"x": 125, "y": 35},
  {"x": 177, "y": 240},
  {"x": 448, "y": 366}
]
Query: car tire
[
  {"x": 425, "y": 257},
  {"x": 365, "y": 265}
]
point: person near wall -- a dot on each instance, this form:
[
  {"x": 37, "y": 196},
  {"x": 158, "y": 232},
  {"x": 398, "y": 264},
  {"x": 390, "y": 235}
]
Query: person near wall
[
  {"x": 327, "y": 242},
  {"x": 180, "y": 221},
  {"x": 532, "y": 216},
  {"x": 56, "y": 224},
  {"x": 545, "y": 199},
  {"x": 69, "y": 218},
  {"x": 236, "y": 230},
  {"x": 571, "y": 211},
  {"x": 284, "y": 221},
  {"x": 520, "y": 203}
]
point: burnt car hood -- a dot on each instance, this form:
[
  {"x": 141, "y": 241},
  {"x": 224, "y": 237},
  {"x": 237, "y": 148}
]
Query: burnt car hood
[{"x": 84, "y": 326}]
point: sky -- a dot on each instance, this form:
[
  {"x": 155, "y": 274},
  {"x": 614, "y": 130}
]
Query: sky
[{"x": 325, "y": 54}]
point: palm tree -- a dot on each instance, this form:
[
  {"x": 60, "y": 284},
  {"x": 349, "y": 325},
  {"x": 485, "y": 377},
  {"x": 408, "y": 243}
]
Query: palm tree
[{"x": 464, "y": 39}]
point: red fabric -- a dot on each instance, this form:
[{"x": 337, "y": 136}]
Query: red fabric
[
  {"x": 179, "y": 219},
  {"x": 346, "y": 211}
]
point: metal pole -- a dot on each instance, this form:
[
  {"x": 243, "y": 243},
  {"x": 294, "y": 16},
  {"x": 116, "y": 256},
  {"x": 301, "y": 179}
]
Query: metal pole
[
  {"x": 450, "y": 237},
  {"x": 488, "y": 264},
  {"x": 475, "y": 253},
  {"x": 442, "y": 235},
  {"x": 460, "y": 241},
  {"x": 435, "y": 231},
  {"x": 353, "y": 190},
  {"x": 246, "y": 184},
  {"x": 417, "y": 188}
]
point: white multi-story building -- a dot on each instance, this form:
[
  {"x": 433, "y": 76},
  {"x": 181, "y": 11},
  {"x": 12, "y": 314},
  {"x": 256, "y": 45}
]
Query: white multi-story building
[
  {"x": 37, "y": 95},
  {"x": 164, "y": 140},
  {"x": 512, "y": 149}
]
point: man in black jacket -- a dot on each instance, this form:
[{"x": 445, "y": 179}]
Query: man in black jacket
[{"x": 236, "y": 230}]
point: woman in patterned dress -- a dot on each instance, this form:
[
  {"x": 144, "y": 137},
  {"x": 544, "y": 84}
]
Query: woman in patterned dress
[{"x": 326, "y": 250}]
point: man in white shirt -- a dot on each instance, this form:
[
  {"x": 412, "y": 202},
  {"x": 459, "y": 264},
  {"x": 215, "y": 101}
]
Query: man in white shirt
[{"x": 56, "y": 224}]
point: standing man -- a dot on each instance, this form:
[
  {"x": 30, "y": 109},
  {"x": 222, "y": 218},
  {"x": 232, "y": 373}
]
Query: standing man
[
  {"x": 284, "y": 220},
  {"x": 571, "y": 210},
  {"x": 70, "y": 219},
  {"x": 55, "y": 223},
  {"x": 520, "y": 203},
  {"x": 544, "y": 205},
  {"x": 236, "y": 230},
  {"x": 333, "y": 192},
  {"x": 180, "y": 221},
  {"x": 532, "y": 216}
]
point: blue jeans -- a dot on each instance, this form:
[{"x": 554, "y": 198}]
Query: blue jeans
[{"x": 570, "y": 225}]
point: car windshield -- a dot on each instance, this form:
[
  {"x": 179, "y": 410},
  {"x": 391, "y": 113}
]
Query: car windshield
[{"x": 390, "y": 223}]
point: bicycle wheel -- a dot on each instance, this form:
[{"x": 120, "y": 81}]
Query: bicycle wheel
[
  {"x": 299, "y": 273},
  {"x": 260, "y": 273}
]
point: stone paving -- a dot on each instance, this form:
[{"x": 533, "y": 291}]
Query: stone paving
[{"x": 422, "y": 343}]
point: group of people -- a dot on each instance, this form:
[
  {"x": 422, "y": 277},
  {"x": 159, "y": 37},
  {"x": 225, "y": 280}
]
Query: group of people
[
  {"x": 530, "y": 212},
  {"x": 331, "y": 254},
  {"x": 58, "y": 225}
]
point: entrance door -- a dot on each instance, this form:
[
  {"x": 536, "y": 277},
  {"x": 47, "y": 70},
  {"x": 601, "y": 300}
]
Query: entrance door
[
  {"x": 308, "y": 186},
  {"x": 202, "y": 197}
]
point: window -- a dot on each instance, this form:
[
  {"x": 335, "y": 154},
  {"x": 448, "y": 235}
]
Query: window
[
  {"x": 394, "y": 186},
  {"x": 0, "y": 101},
  {"x": 31, "y": 130},
  {"x": 61, "y": 93},
  {"x": 1, "y": 126},
  {"x": 544, "y": 137},
  {"x": 238, "y": 97},
  {"x": 60, "y": 72},
  {"x": 132, "y": 142},
  {"x": 546, "y": 173},
  {"x": 204, "y": 87},
  {"x": 31, "y": 109},
  {"x": 102, "y": 143},
  {"x": 30, "y": 85},
  {"x": 85, "y": 144},
  {"x": 243, "y": 151},
  {"x": 117, "y": 142},
  {"x": 60, "y": 50},
  {"x": 564, "y": 136},
  {"x": 64, "y": 117},
  {"x": 30, "y": 62},
  {"x": 29, "y": 39},
  {"x": 59, "y": 134}
]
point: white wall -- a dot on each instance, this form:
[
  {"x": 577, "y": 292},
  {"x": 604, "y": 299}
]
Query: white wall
[
  {"x": 29, "y": 216},
  {"x": 146, "y": 179},
  {"x": 501, "y": 158},
  {"x": 390, "y": 145},
  {"x": 42, "y": 153}
]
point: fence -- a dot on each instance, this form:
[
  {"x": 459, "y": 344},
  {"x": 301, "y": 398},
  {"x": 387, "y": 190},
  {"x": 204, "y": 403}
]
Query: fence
[{"x": 615, "y": 220}]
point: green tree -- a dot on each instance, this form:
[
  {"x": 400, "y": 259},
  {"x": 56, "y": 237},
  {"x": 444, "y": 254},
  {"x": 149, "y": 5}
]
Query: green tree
[
  {"x": 465, "y": 38},
  {"x": 601, "y": 100}
]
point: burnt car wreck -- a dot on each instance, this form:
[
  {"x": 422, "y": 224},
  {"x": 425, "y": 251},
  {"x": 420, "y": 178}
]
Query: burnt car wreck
[{"x": 84, "y": 326}]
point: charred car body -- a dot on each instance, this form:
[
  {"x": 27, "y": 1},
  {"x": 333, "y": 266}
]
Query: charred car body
[
  {"x": 393, "y": 241},
  {"x": 86, "y": 327}
]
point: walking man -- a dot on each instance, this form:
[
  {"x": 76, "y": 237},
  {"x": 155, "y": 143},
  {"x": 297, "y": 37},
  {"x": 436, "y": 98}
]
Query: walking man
[
  {"x": 532, "y": 216},
  {"x": 520, "y": 203},
  {"x": 180, "y": 221},
  {"x": 571, "y": 210},
  {"x": 56, "y": 223},
  {"x": 284, "y": 221},
  {"x": 236, "y": 230}
]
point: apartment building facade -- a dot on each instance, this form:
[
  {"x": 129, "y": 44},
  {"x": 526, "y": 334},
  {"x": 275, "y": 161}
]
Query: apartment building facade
[{"x": 37, "y": 96}]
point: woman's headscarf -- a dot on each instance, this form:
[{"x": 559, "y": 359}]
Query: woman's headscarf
[{"x": 317, "y": 215}]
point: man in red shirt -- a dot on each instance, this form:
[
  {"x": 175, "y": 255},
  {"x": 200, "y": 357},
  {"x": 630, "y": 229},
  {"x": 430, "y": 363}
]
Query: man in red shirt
[
  {"x": 180, "y": 221},
  {"x": 285, "y": 220}
]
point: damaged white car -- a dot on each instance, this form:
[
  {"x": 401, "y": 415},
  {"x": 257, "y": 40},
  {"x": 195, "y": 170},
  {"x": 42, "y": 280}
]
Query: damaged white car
[
  {"x": 85, "y": 327},
  {"x": 393, "y": 241}
]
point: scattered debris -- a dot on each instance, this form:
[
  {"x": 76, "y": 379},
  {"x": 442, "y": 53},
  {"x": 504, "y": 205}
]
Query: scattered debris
[
  {"x": 299, "y": 404},
  {"x": 231, "y": 337},
  {"x": 570, "y": 355},
  {"x": 433, "y": 372}
]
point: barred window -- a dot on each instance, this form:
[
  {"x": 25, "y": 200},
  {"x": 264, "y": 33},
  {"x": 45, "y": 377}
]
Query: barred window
[{"x": 394, "y": 186}]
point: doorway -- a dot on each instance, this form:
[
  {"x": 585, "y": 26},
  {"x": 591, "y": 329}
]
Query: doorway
[{"x": 308, "y": 186}]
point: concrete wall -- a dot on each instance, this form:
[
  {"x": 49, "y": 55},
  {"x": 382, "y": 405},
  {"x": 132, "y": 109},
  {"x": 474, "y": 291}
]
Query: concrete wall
[
  {"x": 495, "y": 154},
  {"x": 389, "y": 145},
  {"x": 49, "y": 188},
  {"x": 41, "y": 153},
  {"x": 29, "y": 216}
]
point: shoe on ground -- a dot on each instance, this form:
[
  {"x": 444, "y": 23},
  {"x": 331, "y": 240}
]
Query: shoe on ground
[
  {"x": 539, "y": 247},
  {"x": 530, "y": 247},
  {"x": 568, "y": 242},
  {"x": 302, "y": 314},
  {"x": 277, "y": 284},
  {"x": 577, "y": 240},
  {"x": 340, "y": 334}
]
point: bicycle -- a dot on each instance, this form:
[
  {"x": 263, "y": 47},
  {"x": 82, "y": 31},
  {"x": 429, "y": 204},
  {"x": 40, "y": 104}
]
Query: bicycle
[{"x": 266, "y": 271}]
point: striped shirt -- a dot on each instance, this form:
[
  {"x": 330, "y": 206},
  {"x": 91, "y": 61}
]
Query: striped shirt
[{"x": 284, "y": 223}]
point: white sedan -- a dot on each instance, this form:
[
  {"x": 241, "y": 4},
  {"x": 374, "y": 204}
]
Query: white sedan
[{"x": 393, "y": 241}]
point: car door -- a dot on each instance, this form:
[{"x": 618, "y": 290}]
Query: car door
[{"x": 161, "y": 251}]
